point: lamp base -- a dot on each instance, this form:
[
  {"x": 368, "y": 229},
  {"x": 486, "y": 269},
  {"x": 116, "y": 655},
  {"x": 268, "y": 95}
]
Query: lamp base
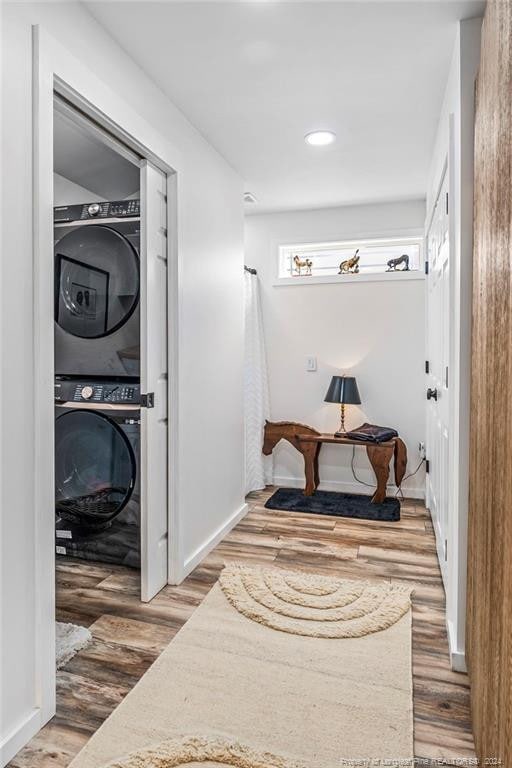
[
  {"x": 341, "y": 430},
  {"x": 340, "y": 434}
]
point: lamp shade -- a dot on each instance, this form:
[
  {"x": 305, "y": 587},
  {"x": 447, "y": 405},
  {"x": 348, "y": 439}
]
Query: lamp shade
[{"x": 343, "y": 389}]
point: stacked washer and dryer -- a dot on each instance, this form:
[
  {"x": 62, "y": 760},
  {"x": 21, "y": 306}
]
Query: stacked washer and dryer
[{"x": 97, "y": 381}]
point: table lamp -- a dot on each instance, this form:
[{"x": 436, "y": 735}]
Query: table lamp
[{"x": 342, "y": 390}]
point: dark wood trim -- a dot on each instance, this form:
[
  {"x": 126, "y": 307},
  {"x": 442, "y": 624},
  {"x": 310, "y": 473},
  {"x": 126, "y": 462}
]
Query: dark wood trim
[{"x": 489, "y": 602}]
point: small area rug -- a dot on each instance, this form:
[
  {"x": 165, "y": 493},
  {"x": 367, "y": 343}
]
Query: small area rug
[
  {"x": 337, "y": 504},
  {"x": 236, "y": 687},
  {"x": 69, "y": 639}
]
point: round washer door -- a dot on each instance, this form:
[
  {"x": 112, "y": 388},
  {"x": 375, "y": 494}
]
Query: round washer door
[
  {"x": 96, "y": 281},
  {"x": 95, "y": 468}
]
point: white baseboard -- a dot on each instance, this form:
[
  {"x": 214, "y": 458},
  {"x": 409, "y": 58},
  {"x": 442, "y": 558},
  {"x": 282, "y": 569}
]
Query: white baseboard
[
  {"x": 458, "y": 661},
  {"x": 457, "y": 656},
  {"x": 207, "y": 546},
  {"x": 19, "y": 736},
  {"x": 346, "y": 487}
]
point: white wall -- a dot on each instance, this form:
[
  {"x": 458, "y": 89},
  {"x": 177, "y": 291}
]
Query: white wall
[
  {"x": 455, "y": 140},
  {"x": 374, "y": 330},
  {"x": 66, "y": 192},
  {"x": 210, "y": 426}
]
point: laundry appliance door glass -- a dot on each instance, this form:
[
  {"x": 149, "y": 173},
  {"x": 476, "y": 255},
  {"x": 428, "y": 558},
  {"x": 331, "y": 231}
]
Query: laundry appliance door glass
[
  {"x": 96, "y": 281},
  {"x": 94, "y": 468}
]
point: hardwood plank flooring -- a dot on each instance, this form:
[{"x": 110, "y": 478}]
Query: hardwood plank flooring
[{"x": 129, "y": 635}]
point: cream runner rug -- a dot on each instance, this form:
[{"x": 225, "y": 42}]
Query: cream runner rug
[{"x": 275, "y": 669}]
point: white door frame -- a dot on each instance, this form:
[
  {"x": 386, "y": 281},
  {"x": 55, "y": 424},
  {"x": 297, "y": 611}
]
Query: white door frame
[
  {"x": 455, "y": 139},
  {"x": 55, "y": 69},
  {"x": 460, "y": 194},
  {"x": 442, "y": 506}
]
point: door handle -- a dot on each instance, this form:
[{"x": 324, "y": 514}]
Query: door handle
[{"x": 431, "y": 394}]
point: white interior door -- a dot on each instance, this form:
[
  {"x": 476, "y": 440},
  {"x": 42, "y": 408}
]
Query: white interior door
[
  {"x": 153, "y": 374},
  {"x": 437, "y": 374}
]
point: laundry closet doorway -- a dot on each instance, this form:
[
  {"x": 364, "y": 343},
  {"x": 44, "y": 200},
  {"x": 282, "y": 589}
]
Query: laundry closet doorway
[
  {"x": 111, "y": 351},
  {"x": 58, "y": 75}
]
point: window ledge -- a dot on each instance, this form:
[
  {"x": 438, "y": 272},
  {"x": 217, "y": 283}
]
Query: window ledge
[{"x": 371, "y": 277}]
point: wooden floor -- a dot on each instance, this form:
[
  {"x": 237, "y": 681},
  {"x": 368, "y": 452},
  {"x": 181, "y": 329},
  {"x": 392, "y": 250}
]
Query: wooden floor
[{"x": 129, "y": 635}]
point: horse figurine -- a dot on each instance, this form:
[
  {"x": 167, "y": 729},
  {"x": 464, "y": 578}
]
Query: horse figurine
[
  {"x": 350, "y": 265},
  {"x": 394, "y": 263},
  {"x": 300, "y": 264}
]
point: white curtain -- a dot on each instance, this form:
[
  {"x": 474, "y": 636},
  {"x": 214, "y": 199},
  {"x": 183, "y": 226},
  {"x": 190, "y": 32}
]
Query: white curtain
[{"x": 256, "y": 394}]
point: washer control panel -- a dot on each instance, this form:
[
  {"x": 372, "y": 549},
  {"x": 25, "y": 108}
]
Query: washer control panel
[
  {"x": 117, "y": 392},
  {"x": 117, "y": 209}
]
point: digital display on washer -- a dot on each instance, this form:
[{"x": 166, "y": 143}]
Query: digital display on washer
[
  {"x": 87, "y": 211},
  {"x": 97, "y": 392},
  {"x": 107, "y": 393}
]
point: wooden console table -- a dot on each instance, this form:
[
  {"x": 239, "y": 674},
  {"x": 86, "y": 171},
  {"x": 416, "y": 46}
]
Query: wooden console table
[{"x": 309, "y": 442}]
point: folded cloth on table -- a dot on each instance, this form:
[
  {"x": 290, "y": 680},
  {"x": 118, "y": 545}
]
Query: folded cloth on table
[{"x": 372, "y": 433}]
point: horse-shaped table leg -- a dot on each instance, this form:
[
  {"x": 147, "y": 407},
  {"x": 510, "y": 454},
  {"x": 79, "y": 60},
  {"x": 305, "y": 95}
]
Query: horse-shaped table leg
[{"x": 288, "y": 430}]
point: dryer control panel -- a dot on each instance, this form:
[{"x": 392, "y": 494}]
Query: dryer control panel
[
  {"x": 116, "y": 209},
  {"x": 93, "y": 391}
]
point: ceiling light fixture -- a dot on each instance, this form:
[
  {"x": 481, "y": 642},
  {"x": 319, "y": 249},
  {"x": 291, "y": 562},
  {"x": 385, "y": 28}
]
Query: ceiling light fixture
[{"x": 320, "y": 138}]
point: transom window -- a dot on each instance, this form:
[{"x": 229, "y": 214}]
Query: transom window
[{"x": 354, "y": 257}]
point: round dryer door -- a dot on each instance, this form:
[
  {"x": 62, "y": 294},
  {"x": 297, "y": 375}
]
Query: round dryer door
[
  {"x": 94, "y": 468},
  {"x": 96, "y": 281}
]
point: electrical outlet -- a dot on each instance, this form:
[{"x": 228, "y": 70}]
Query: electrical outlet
[
  {"x": 422, "y": 450},
  {"x": 310, "y": 363}
]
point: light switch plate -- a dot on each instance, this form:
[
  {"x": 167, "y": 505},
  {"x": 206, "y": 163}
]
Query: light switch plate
[{"x": 310, "y": 363}]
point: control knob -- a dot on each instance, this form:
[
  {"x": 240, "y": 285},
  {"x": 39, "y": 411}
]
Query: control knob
[
  {"x": 87, "y": 392},
  {"x": 93, "y": 209}
]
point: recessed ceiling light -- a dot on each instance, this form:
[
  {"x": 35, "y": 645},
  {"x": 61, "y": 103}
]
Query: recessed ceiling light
[{"x": 320, "y": 138}]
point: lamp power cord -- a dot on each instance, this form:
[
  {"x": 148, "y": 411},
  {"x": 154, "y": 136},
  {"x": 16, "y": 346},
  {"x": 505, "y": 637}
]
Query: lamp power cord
[
  {"x": 368, "y": 485},
  {"x": 399, "y": 491}
]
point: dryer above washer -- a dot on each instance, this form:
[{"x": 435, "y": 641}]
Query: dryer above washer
[{"x": 97, "y": 284}]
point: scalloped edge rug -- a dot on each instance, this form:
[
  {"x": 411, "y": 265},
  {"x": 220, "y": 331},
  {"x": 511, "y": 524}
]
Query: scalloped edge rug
[
  {"x": 275, "y": 669},
  {"x": 196, "y": 750}
]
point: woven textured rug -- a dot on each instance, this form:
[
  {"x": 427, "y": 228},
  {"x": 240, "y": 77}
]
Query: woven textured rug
[
  {"x": 275, "y": 669},
  {"x": 338, "y": 504}
]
